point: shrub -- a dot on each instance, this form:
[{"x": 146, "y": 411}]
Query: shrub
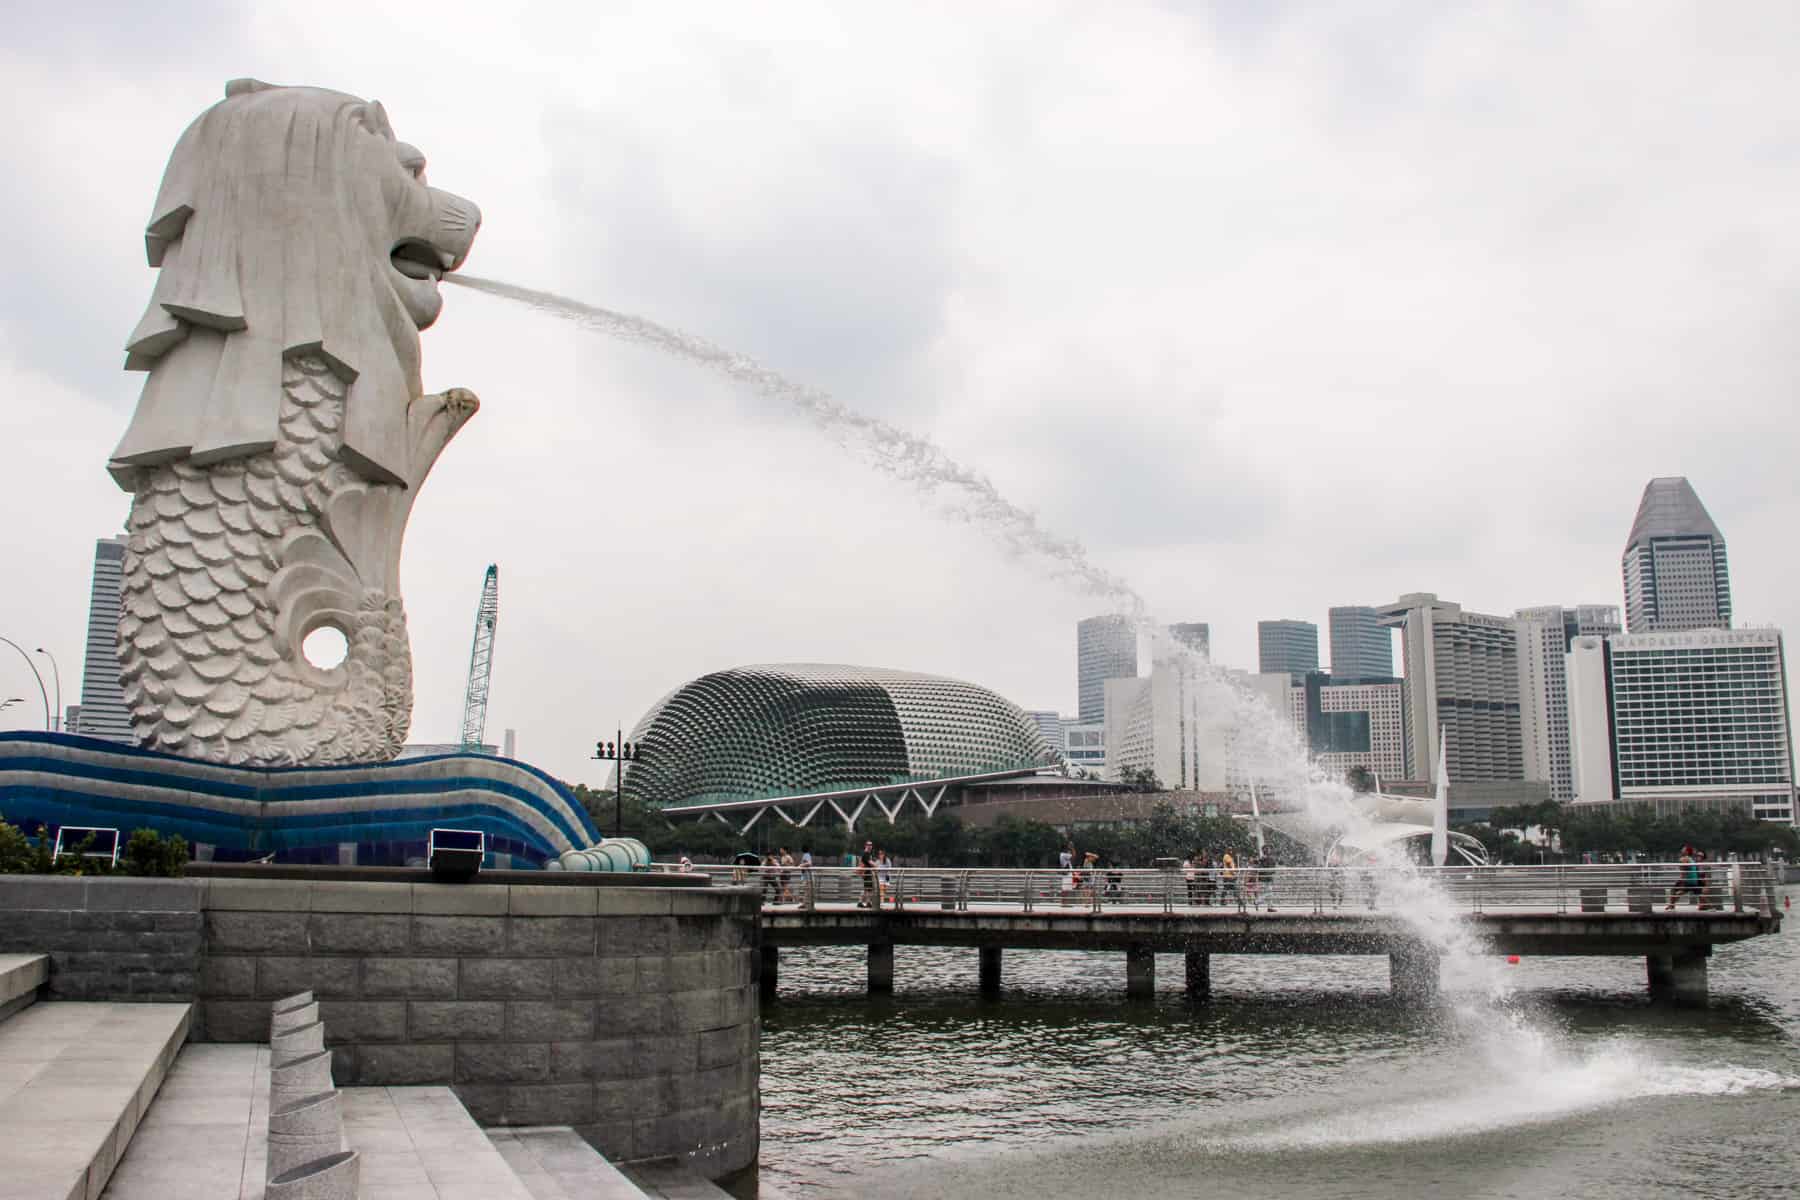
[
  {"x": 149, "y": 854},
  {"x": 146, "y": 853}
]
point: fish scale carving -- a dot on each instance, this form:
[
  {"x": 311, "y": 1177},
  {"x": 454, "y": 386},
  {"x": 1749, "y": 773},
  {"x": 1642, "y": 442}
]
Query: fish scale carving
[{"x": 215, "y": 559}]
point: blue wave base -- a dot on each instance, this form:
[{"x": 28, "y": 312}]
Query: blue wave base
[{"x": 299, "y": 814}]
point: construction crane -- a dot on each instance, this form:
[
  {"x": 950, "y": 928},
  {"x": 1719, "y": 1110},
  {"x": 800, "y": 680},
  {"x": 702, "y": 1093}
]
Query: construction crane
[{"x": 481, "y": 662}]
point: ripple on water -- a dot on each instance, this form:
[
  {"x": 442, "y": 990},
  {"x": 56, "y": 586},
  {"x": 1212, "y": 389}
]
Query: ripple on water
[{"x": 1299, "y": 1070}]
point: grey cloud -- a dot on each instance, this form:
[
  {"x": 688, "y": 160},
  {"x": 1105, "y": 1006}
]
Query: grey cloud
[
  {"x": 832, "y": 260},
  {"x": 1272, "y": 306}
]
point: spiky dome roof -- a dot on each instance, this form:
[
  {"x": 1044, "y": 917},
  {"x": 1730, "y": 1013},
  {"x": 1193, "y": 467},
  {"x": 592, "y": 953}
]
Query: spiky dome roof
[{"x": 794, "y": 728}]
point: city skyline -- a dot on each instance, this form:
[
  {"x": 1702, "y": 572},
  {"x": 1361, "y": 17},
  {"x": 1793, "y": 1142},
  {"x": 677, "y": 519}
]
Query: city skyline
[{"x": 862, "y": 234}]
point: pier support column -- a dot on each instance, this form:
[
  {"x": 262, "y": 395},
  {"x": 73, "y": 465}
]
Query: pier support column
[
  {"x": 768, "y": 970},
  {"x": 881, "y": 967},
  {"x": 1681, "y": 976},
  {"x": 1413, "y": 973},
  {"x": 990, "y": 970},
  {"x": 1140, "y": 972},
  {"x": 1199, "y": 975}
]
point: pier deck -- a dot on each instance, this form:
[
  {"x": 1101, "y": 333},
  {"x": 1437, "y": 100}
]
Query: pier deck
[{"x": 1555, "y": 910}]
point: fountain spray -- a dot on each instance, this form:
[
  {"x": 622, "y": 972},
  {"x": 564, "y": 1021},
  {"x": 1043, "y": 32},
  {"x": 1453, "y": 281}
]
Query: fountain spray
[{"x": 891, "y": 450}]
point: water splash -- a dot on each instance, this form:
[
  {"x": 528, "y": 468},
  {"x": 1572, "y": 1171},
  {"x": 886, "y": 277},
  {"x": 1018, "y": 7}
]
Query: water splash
[
  {"x": 893, "y": 451},
  {"x": 1520, "y": 1077},
  {"x": 1539, "y": 1073}
]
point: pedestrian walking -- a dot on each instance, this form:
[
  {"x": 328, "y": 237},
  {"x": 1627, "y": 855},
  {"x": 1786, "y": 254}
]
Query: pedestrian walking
[
  {"x": 784, "y": 876},
  {"x": 884, "y": 869},
  {"x": 1266, "y": 878},
  {"x": 1687, "y": 880},
  {"x": 866, "y": 869}
]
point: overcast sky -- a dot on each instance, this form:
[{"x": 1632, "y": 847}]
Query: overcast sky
[{"x": 1272, "y": 306}]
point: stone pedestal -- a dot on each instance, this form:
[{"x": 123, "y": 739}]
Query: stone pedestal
[
  {"x": 1140, "y": 972},
  {"x": 990, "y": 970},
  {"x": 1199, "y": 975},
  {"x": 1679, "y": 977},
  {"x": 881, "y": 968},
  {"x": 1413, "y": 973}
]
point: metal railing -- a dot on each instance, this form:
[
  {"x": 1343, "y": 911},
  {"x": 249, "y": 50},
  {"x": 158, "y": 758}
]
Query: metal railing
[{"x": 1747, "y": 887}]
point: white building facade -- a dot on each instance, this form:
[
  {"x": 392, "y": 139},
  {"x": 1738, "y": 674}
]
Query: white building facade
[
  {"x": 1699, "y": 718},
  {"x": 1084, "y": 746},
  {"x": 1590, "y": 722},
  {"x": 1545, "y": 635},
  {"x": 1198, "y": 728},
  {"x": 1462, "y": 677}
]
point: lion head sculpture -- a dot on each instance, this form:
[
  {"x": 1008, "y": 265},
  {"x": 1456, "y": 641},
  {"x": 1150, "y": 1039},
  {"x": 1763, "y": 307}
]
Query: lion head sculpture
[{"x": 290, "y": 221}]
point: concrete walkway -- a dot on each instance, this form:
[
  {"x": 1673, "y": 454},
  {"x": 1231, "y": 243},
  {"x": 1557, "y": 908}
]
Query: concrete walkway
[
  {"x": 672, "y": 1181},
  {"x": 75, "y": 1081},
  {"x": 555, "y": 1163},
  {"x": 419, "y": 1143},
  {"x": 206, "y": 1138}
]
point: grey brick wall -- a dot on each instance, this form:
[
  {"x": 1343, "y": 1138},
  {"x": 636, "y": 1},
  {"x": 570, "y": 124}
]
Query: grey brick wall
[
  {"x": 108, "y": 939},
  {"x": 629, "y": 1013}
]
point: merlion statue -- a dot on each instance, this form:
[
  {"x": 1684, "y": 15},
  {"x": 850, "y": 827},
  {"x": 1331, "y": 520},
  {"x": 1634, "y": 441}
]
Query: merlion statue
[{"x": 283, "y": 431}]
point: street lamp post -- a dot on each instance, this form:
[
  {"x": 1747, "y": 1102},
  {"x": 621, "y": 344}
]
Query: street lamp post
[
  {"x": 56, "y": 673},
  {"x": 44, "y": 695},
  {"x": 618, "y": 751}
]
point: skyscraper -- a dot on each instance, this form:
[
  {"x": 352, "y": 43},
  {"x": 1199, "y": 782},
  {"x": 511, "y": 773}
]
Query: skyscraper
[
  {"x": 103, "y": 712},
  {"x": 1105, "y": 648},
  {"x": 1360, "y": 647},
  {"x": 1545, "y": 636},
  {"x": 1462, "y": 677},
  {"x": 1290, "y": 647},
  {"x": 1674, "y": 563},
  {"x": 1697, "y": 719}
]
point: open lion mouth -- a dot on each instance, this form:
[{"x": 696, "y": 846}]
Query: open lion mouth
[{"x": 416, "y": 260}]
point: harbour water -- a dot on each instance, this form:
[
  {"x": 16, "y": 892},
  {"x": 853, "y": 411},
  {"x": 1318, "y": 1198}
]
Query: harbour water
[{"x": 1301, "y": 1077}]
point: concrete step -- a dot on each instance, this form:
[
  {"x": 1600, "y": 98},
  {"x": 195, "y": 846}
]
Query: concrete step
[
  {"x": 21, "y": 975},
  {"x": 75, "y": 1081},
  {"x": 206, "y": 1137},
  {"x": 420, "y": 1143},
  {"x": 674, "y": 1181},
  {"x": 556, "y": 1163}
]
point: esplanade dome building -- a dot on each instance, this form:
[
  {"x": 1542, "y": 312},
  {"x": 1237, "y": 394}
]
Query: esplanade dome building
[{"x": 795, "y": 728}]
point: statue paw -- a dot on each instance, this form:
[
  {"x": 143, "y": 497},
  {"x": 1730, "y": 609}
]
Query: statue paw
[{"x": 460, "y": 403}]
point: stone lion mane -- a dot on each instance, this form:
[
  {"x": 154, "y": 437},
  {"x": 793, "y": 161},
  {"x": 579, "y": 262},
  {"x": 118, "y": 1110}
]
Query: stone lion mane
[{"x": 271, "y": 232}]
